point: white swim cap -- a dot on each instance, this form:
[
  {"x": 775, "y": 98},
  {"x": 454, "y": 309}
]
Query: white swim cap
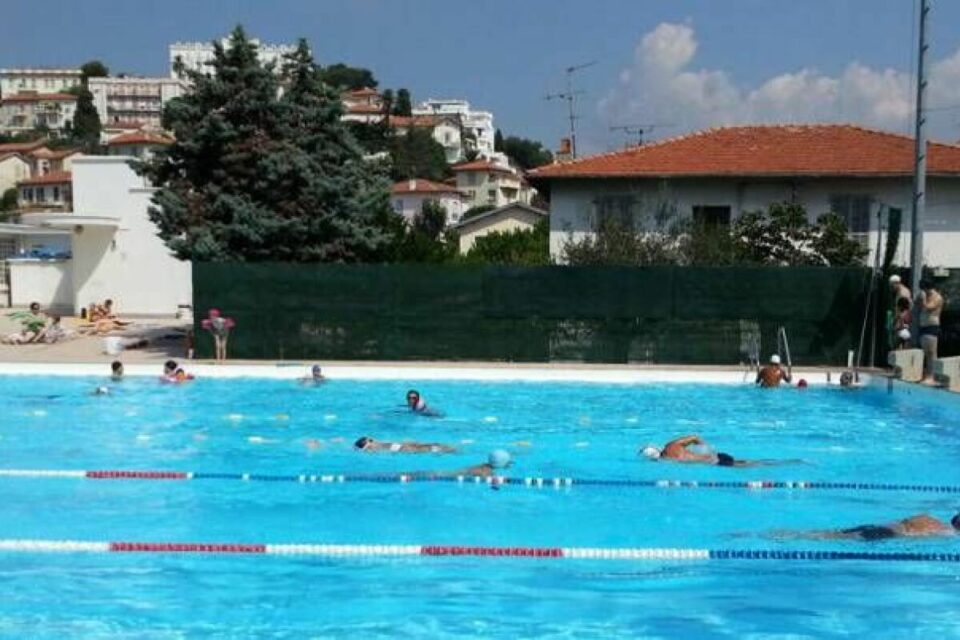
[
  {"x": 903, "y": 334},
  {"x": 102, "y": 391},
  {"x": 894, "y": 279},
  {"x": 774, "y": 359},
  {"x": 499, "y": 459},
  {"x": 651, "y": 452}
]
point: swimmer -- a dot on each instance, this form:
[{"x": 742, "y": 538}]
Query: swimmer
[
  {"x": 773, "y": 374},
  {"x": 918, "y": 526},
  {"x": 101, "y": 391},
  {"x": 316, "y": 376},
  {"x": 677, "y": 451},
  {"x": 498, "y": 459},
  {"x": 846, "y": 379},
  {"x": 375, "y": 446},
  {"x": 417, "y": 405},
  {"x": 174, "y": 373},
  {"x": 116, "y": 370}
]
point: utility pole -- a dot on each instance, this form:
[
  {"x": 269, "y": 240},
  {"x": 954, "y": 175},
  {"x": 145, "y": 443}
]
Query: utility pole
[
  {"x": 570, "y": 95},
  {"x": 920, "y": 157}
]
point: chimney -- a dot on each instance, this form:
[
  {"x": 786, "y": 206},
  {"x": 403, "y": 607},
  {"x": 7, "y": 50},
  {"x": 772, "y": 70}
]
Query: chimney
[
  {"x": 565, "y": 147},
  {"x": 413, "y": 184}
]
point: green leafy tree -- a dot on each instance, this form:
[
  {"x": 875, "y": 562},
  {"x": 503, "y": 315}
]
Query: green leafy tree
[
  {"x": 404, "y": 104},
  {"x": 8, "y": 202},
  {"x": 833, "y": 245},
  {"x": 528, "y": 154},
  {"x": 388, "y": 99},
  {"x": 425, "y": 240},
  {"x": 256, "y": 176},
  {"x": 85, "y": 128},
  {"x": 346, "y": 78},
  {"x": 93, "y": 69},
  {"x": 417, "y": 155},
  {"x": 522, "y": 247}
]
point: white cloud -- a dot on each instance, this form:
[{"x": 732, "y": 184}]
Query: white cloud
[{"x": 663, "y": 85}]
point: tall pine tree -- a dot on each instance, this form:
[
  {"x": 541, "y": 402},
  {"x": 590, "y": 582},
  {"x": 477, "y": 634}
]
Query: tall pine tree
[{"x": 259, "y": 176}]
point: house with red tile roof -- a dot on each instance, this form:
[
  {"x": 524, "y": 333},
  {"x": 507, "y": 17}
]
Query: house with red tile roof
[
  {"x": 716, "y": 175},
  {"x": 137, "y": 144},
  {"x": 14, "y": 167},
  {"x": 409, "y": 196},
  {"x": 51, "y": 191},
  {"x": 25, "y": 111},
  {"x": 362, "y": 105}
]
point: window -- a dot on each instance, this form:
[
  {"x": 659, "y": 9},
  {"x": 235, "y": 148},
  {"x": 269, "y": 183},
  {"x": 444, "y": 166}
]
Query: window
[
  {"x": 615, "y": 210},
  {"x": 711, "y": 216},
  {"x": 398, "y": 206},
  {"x": 492, "y": 196},
  {"x": 41, "y": 194},
  {"x": 855, "y": 211},
  {"x": 56, "y": 194}
]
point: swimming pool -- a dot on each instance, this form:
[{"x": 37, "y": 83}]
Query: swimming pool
[{"x": 275, "y": 429}]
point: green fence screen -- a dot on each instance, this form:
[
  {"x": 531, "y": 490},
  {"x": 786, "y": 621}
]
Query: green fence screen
[{"x": 531, "y": 314}]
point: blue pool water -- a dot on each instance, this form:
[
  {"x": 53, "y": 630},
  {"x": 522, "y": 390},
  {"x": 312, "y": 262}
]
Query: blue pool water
[{"x": 552, "y": 429}]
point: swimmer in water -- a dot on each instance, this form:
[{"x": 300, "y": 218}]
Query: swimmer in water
[
  {"x": 846, "y": 379},
  {"x": 316, "y": 376},
  {"x": 417, "y": 405},
  {"x": 918, "y": 526},
  {"x": 116, "y": 370},
  {"x": 677, "y": 451},
  {"x": 101, "y": 391},
  {"x": 773, "y": 374},
  {"x": 498, "y": 459},
  {"x": 370, "y": 445}
]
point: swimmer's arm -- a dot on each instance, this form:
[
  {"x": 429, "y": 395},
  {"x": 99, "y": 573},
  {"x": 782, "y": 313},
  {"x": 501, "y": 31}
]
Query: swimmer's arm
[{"x": 686, "y": 441}]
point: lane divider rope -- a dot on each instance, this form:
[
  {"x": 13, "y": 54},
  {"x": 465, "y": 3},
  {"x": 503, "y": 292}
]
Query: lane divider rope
[
  {"x": 392, "y": 550},
  {"x": 534, "y": 482}
]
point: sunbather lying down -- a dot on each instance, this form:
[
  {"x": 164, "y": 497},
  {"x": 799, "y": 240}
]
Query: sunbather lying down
[
  {"x": 103, "y": 327},
  {"x": 19, "y": 337}
]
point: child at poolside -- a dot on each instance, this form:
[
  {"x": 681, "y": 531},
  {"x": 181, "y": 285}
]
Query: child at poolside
[{"x": 219, "y": 327}]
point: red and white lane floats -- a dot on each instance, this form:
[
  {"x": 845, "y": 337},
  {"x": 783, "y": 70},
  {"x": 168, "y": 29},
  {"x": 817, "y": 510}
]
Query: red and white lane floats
[{"x": 485, "y": 552}]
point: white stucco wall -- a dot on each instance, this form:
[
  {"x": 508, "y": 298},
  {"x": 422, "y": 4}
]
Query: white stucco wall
[
  {"x": 504, "y": 223},
  {"x": 409, "y": 204},
  {"x": 573, "y": 211},
  {"x": 48, "y": 282},
  {"x": 12, "y": 170},
  {"x": 129, "y": 264}
]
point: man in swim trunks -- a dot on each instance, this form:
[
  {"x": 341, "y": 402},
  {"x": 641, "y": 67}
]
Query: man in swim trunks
[
  {"x": 116, "y": 370},
  {"x": 417, "y": 405},
  {"x": 677, "y": 451},
  {"x": 930, "y": 303},
  {"x": 919, "y": 526},
  {"x": 773, "y": 374},
  {"x": 375, "y": 446}
]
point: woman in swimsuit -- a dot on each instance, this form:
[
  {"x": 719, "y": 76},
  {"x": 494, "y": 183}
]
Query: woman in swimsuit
[{"x": 375, "y": 446}]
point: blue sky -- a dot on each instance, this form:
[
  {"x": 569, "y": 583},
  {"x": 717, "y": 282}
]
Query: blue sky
[{"x": 682, "y": 63}]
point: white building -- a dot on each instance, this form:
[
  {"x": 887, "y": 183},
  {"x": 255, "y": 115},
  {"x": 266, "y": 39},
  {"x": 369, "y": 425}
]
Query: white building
[
  {"x": 13, "y": 168},
  {"x": 47, "y": 192},
  {"x": 116, "y": 252},
  {"x": 196, "y": 55},
  {"x": 136, "y": 144},
  {"x": 487, "y": 182},
  {"x": 362, "y": 105},
  {"x": 409, "y": 196},
  {"x": 38, "y": 80},
  {"x": 22, "y": 112},
  {"x": 477, "y": 125},
  {"x": 716, "y": 175},
  {"x": 133, "y": 99}
]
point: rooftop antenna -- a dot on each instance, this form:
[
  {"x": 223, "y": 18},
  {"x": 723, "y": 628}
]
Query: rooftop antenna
[
  {"x": 570, "y": 95},
  {"x": 639, "y": 130}
]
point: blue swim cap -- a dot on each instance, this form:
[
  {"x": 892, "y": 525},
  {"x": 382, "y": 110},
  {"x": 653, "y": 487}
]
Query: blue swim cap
[{"x": 499, "y": 459}]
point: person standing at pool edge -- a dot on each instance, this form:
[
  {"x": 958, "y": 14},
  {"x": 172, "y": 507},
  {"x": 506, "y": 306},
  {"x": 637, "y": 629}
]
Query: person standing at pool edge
[
  {"x": 772, "y": 374},
  {"x": 930, "y": 303},
  {"x": 219, "y": 327}
]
